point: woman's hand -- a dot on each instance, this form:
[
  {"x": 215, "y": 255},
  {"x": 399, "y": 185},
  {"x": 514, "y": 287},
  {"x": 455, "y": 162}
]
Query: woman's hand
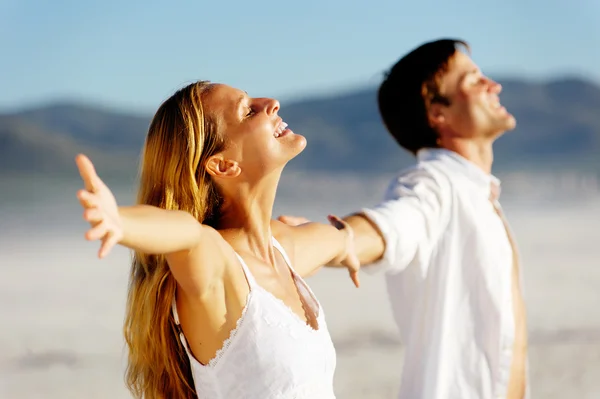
[{"x": 100, "y": 208}]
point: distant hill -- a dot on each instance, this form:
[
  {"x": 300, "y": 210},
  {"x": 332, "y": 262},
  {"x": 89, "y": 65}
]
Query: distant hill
[{"x": 558, "y": 127}]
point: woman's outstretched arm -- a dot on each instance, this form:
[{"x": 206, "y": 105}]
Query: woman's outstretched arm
[
  {"x": 184, "y": 241},
  {"x": 316, "y": 245}
]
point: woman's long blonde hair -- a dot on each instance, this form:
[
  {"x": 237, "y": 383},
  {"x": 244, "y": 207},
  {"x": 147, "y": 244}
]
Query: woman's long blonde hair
[{"x": 180, "y": 139}]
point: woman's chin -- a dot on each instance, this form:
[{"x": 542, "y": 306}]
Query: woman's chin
[
  {"x": 300, "y": 145},
  {"x": 294, "y": 144},
  {"x": 300, "y": 142}
]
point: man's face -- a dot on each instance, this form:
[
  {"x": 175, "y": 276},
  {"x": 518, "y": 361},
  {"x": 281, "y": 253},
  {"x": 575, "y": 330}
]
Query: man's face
[{"x": 474, "y": 111}]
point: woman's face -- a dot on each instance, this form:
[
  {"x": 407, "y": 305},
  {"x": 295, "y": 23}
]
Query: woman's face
[{"x": 258, "y": 140}]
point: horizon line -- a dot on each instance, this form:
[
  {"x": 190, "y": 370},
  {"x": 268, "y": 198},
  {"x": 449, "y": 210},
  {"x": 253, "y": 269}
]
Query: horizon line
[{"x": 290, "y": 99}]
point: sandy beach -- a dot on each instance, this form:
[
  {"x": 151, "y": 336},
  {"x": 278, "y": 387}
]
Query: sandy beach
[{"x": 62, "y": 308}]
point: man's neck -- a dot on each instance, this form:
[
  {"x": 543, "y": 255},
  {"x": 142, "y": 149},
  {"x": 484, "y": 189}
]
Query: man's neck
[{"x": 479, "y": 152}]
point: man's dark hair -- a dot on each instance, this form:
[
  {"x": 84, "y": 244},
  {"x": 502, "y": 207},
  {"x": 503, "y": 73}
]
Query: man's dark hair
[{"x": 410, "y": 87}]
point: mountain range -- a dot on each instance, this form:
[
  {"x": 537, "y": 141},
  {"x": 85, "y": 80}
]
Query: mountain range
[{"x": 558, "y": 128}]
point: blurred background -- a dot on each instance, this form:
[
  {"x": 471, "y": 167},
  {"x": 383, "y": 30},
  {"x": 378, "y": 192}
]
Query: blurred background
[{"x": 87, "y": 76}]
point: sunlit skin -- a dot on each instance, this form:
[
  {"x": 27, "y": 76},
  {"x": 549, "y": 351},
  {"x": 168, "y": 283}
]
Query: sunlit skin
[
  {"x": 469, "y": 126},
  {"x": 212, "y": 289},
  {"x": 475, "y": 118}
]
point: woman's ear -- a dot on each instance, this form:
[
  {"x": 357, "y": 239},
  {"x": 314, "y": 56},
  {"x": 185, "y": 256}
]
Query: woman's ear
[{"x": 217, "y": 166}]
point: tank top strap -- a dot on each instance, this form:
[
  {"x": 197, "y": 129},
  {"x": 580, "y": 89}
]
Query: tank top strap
[
  {"x": 303, "y": 288},
  {"x": 281, "y": 250},
  {"x": 251, "y": 283},
  {"x": 174, "y": 310},
  {"x": 178, "y": 325},
  {"x": 249, "y": 277}
]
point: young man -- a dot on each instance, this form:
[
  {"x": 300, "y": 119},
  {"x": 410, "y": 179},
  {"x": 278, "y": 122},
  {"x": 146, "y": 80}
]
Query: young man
[{"x": 439, "y": 235}]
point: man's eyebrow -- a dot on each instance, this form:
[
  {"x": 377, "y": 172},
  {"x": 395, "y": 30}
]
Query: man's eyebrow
[{"x": 465, "y": 75}]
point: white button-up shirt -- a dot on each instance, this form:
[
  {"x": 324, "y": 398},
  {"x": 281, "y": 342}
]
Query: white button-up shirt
[{"x": 448, "y": 264}]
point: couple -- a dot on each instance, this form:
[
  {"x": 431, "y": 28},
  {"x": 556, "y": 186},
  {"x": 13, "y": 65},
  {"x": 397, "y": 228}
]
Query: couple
[{"x": 217, "y": 307}]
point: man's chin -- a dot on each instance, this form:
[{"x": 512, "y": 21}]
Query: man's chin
[
  {"x": 511, "y": 123},
  {"x": 506, "y": 123},
  {"x": 503, "y": 127}
]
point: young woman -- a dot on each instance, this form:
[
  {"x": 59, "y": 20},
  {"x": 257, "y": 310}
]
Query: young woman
[{"x": 215, "y": 308}]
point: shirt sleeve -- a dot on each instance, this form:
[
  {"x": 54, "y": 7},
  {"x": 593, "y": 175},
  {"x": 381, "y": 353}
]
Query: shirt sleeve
[{"x": 410, "y": 219}]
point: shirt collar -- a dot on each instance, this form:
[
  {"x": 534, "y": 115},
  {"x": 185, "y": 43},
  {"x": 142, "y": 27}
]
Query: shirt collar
[{"x": 462, "y": 166}]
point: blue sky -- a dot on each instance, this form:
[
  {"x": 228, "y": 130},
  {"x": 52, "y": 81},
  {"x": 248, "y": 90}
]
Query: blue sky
[{"x": 132, "y": 54}]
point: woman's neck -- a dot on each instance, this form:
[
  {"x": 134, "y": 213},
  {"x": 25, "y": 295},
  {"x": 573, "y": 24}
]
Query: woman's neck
[{"x": 245, "y": 219}]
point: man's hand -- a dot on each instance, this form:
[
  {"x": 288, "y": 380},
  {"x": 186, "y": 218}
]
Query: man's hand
[
  {"x": 293, "y": 220},
  {"x": 349, "y": 259}
]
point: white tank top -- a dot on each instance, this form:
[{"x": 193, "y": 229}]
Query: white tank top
[{"x": 271, "y": 353}]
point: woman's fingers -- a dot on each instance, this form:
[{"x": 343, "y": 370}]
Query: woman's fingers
[
  {"x": 107, "y": 236},
  {"x": 92, "y": 215},
  {"x": 109, "y": 241},
  {"x": 87, "y": 199},
  {"x": 87, "y": 172},
  {"x": 94, "y": 198},
  {"x": 97, "y": 232}
]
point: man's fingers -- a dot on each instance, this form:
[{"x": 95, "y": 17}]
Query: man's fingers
[
  {"x": 293, "y": 220},
  {"x": 354, "y": 277}
]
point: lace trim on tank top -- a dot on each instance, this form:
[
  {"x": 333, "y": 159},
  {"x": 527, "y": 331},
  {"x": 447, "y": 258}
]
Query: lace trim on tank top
[
  {"x": 227, "y": 342},
  {"x": 253, "y": 286},
  {"x": 287, "y": 308}
]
